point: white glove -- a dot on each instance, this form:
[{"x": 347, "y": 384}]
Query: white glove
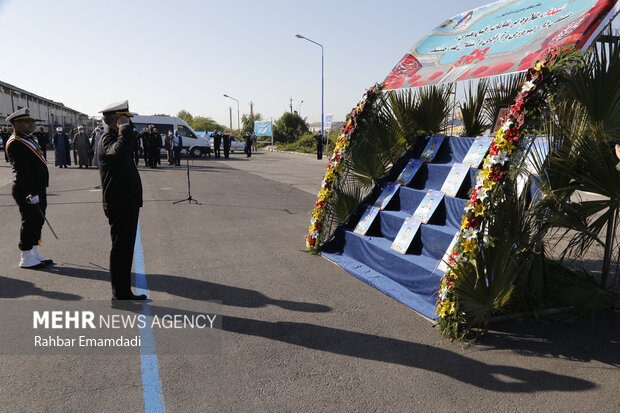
[{"x": 33, "y": 199}]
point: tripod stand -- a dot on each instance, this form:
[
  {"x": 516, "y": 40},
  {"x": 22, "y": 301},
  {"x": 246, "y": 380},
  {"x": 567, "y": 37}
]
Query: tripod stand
[{"x": 188, "y": 198}]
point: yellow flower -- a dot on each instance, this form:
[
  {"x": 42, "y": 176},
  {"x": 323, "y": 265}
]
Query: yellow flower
[
  {"x": 470, "y": 245},
  {"x": 479, "y": 210},
  {"x": 485, "y": 173},
  {"x": 539, "y": 66},
  {"x": 499, "y": 140},
  {"x": 488, "y": 184},
  {"x": 463, "y": 223}
]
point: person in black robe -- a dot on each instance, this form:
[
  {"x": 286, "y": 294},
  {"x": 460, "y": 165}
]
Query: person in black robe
[{"x": 62, "y": 149}]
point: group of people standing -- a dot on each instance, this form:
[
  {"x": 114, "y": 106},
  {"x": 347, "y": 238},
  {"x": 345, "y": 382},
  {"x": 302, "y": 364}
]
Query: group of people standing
[
  {"x": 152, "y": 144},
  {"x": 84, "y": 147},
  {"x": 220, "y": 138}
]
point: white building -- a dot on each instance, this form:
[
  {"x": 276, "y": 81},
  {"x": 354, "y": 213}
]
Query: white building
[{"x": 48, "y": 113}]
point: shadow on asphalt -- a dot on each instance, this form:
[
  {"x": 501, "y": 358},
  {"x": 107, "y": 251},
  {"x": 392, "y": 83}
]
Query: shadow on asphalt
[
  {"x": 494, "y": 377},
  {"x": 199, "y": 290},
  {"x": 582, "y": 341},
  {"x": 12, "y": 288}
]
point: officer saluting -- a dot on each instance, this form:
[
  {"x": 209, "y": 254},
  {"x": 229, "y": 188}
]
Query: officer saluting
[
  {"x": 31, "y": 180},
  {"x": 122, "y": 194}
]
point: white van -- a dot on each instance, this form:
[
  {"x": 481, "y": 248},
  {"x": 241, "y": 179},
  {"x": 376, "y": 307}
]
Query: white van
[{"x": 198, "y": 145}]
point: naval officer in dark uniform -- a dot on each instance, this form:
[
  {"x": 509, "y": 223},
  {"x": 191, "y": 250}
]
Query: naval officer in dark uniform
[
  {"x": 122, "y": 194},
  {"x": 29, "y": 188}
]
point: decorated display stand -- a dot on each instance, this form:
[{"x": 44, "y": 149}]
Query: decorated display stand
[{"x": 432, "y": 210}]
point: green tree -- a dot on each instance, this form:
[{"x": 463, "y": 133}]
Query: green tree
[
  {"x": 186, "y": 116},
  {"x": 205, "y": 123},
  {"x": 247, "y": 122},
  {"x": 289, "y": 128}
]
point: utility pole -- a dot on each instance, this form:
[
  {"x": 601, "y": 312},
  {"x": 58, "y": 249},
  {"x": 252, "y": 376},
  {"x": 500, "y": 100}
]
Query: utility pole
[
  {"x": 291, "y": 106},
  {"x": 252, "y": 110},
  {"x": 230, "y": 110}
]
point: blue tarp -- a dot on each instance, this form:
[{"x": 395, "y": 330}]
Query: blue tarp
[{"x": 412, "y": 278}]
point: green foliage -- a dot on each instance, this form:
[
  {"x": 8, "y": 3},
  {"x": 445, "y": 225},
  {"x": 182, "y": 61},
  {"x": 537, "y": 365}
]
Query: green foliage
[
  {"x": 596, "y": 85},
  {"x": 186, "y": 116},
  {"x": 474, "y": 122},
  {"x": 434, "y": 106},
  {"x": 247, "y": 122},
  {"x": 202, "y": 123},
  {"x": 289, "y": 128},
  {"x": 305, "y": 144}
]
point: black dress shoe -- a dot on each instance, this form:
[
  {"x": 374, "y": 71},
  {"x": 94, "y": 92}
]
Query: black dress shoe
[{"x": 130, "y": 296}]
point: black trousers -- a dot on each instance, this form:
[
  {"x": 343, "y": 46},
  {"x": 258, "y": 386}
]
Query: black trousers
[
  {"x": 216, "y": 151},
  {"x": 32, "y": 221},
  {"x": 123, "y": 227},
  {"x": 226, "y": 151},
  {"x": 319, "y": 152},
  {"x": 153, "y": 157}
]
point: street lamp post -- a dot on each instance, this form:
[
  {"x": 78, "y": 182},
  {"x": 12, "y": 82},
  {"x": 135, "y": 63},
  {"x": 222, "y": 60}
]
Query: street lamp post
[
  {"x": 230, "y": 97},
  {"x": 299, "y": 36},
  {"x": 299, "y": 108}
]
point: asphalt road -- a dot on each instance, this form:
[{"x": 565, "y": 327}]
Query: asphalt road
[{"x": 299, "y": 334}]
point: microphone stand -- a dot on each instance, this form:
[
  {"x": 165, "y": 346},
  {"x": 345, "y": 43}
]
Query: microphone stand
[{"x": 188, "y": 198}]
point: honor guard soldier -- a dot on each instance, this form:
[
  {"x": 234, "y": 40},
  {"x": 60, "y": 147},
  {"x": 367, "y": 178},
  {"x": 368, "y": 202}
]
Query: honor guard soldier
[
  {"x": 122, "y": 194},
  {"x": 29, "y": 188}
]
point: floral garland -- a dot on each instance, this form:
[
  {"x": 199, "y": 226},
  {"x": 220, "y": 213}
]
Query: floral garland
[
  {"x": 334, "y": 168},
  {"x": 493, "y": 173}
]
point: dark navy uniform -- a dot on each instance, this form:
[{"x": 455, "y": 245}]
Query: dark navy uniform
[
  {"x": 31, "y": 179},
  {"x": 217, "y": 142},
  {"x": 319, "y": 145},
  {"x": 226, "y": 139},
  {"x": 122, "y": 200}
]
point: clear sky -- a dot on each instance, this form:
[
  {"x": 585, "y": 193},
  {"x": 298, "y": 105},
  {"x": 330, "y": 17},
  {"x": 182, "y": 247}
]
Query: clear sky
[{"x": 165, "y": 56}]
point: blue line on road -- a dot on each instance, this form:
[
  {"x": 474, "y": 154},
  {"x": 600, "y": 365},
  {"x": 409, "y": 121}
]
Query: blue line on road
[{"x": 151, "y": 382}]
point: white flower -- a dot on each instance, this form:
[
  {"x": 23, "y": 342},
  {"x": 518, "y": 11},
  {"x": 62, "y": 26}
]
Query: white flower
[
  {"x": 443, "y": 293},
  {"x": 470, "y": 233},
  {"x": 483, "y": 194},
  {"x": 501, "y": 158},
  {"x": 506, "y": 126},
  {"x": 527, "y": 86}
]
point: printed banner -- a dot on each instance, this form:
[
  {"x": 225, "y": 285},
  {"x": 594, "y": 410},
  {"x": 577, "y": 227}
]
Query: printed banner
[
  {"x": 262, "y": 128},
  {"x": 503, "y": 37}
]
